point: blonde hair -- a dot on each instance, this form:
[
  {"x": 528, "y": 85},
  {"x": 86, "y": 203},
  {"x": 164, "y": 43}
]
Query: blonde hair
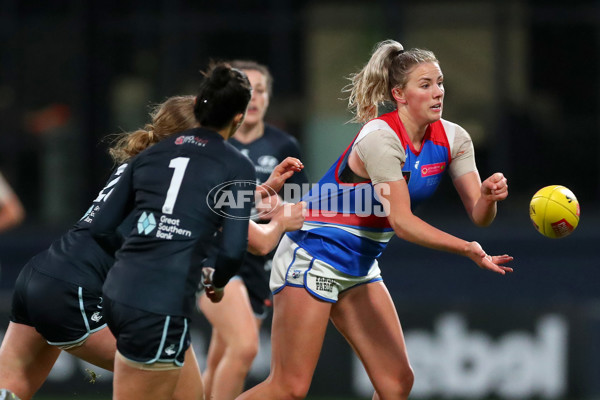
[
  {"x": 176, "y": 114},
  {"x": 387, "y": 69}
]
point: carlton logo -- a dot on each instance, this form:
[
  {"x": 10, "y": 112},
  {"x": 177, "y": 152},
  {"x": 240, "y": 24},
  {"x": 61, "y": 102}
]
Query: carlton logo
[{"x": 229, "y": 199}]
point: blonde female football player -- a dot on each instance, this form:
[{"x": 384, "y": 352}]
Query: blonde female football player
[{"x": 328, "y": 270}]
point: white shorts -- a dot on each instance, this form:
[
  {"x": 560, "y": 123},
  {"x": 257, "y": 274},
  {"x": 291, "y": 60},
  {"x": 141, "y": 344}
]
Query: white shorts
[{"x": 294, "y": 266}]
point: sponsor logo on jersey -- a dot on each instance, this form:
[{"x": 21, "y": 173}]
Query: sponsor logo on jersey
[
  {"x": 146, "y": 223},
  {"x": 167, "y": 227},
  {"x": 191, "y": 139},
  {"x": 433, "y": 169},
  {"x": 267, "y": 161}
]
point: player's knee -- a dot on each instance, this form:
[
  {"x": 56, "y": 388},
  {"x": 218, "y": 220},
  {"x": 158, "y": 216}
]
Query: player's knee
[
  {"x": 297, "y": 392},
  {"x": 406, "y": 383},
  {"x": 397, "y": 386},
  {"x": 245, "y": 351},
  {"x": 294, "y": 389}
]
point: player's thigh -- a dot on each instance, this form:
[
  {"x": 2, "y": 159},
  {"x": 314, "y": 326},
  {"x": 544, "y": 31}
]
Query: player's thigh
[
  {"x": 98, "y": 349},
  {"x": 132, "y": 383},
  {"x": 298, "y": 329},
  {"x": 26, "y": 358},
  {"x": 232, "y": 317},
  {"x": 367, "y": 318},
  {"x": 189, "y": 385}
]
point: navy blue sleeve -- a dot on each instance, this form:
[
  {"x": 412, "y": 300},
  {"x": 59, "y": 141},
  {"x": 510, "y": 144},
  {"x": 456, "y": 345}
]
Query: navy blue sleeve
[
  {"x": 105, "y": 227},
  {"x": 234, "y": 233}
]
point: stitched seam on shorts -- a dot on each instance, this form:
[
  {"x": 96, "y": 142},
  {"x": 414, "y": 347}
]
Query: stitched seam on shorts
[
  {"x": 307, "y": 271},
  {"x": 162, "y": 341},
  {"x": 181, "y": 341},
  {"x": 82, "y": 308},
  {"x": 287, "y": 271},
  {"x": 376, "y": 279}
]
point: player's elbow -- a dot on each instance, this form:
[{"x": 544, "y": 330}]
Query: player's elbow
[{"x": 259, "y": 249}]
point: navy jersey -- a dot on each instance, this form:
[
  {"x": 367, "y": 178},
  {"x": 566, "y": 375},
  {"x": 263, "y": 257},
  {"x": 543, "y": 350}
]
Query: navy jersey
[
  {"x": 180, "y": 192},
  {"x": 76, "y": 257},
  {"x": 266, "y": 153}
]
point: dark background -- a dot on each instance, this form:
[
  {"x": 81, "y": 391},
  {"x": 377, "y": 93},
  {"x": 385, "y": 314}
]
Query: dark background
[{"x": 72, "y": 72}]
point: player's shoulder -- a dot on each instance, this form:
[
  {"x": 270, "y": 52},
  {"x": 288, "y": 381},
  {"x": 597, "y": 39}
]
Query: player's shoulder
[
  {"x": 237, "y": 157},
  {"x": 453, "y": 129},
  {"x": 276, "y": 134},
  {"x": 376, "y": 128}
]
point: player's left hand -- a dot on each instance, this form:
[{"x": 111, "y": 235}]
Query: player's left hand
[
  {"x": 485, "y": 261},
  {"x": 495, "y": 188},
  {"x": 213, "y": 293}
]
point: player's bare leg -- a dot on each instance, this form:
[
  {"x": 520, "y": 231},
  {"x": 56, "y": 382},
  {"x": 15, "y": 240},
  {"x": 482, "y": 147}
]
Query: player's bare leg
[
  {"x": 237, "y": 341},
  {"x": 99, "y": 349},
  {"x": 189, "y": 385},
  {"x": 367, "y": 318},
  {"x": 131, "y": 383},
  {"x": 216, "y": 348},
  {"x": 25, "y": 360},
  {"x": 299, "y": 324}
]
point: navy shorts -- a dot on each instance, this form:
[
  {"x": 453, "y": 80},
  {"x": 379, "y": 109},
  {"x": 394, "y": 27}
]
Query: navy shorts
[
  {"x": 147, "y": 338},
  {"x": 64, "y": 313}
]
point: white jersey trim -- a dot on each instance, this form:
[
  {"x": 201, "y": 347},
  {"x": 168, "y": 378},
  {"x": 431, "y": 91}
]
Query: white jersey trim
[
  {"x": 450, "y": 129},
  {"x": 381, "y": 237},
  {"x": 372, "y": 126}
]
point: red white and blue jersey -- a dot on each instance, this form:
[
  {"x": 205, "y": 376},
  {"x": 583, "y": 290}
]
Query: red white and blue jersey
[{"x": 346, "y": 225}]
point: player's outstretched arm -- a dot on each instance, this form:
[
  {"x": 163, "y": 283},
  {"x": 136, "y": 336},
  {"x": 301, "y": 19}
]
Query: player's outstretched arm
[{"x": 396, "y": 202}]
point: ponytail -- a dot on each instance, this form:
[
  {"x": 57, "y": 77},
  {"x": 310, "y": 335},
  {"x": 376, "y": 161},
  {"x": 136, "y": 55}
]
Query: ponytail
[{"x": 176, "y": 114}]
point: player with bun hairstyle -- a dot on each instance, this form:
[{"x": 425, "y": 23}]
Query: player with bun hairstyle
[
  {"x": 149, "y": 293},
  {"x": 329, "y": 270},
  {"x": 46, "y": 314},
  {"x": 237, "y": 319}
]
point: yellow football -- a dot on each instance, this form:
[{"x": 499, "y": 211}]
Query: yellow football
[{"x": 554, "y": 211}]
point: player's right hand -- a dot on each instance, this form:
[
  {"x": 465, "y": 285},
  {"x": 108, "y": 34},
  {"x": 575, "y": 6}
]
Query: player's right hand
[
  {"x": 291, "y": 216},
  {"x": 213, "y": 293}
]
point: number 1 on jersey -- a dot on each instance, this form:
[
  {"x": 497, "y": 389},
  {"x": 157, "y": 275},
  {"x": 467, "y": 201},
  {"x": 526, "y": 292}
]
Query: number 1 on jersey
[{"x": 179, "y": 164}]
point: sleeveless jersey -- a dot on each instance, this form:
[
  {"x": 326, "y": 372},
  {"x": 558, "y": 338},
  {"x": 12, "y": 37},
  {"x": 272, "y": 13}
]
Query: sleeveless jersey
[{"x": 346, "y": 224}]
